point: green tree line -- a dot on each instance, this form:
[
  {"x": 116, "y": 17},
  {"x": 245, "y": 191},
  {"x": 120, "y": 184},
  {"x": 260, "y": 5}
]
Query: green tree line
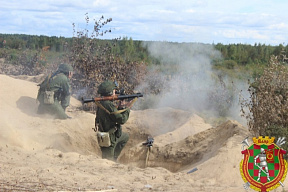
[
  {"x": 244, "y": 54},
  {"x": 131, "y": 50}
]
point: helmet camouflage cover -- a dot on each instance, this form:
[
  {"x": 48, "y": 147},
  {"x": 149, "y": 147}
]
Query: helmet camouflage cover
[
  {"x": 65, "y": 68},
  {"x": 106, "y": 88}
]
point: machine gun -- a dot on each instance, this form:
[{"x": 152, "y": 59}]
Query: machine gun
[{"x": 112, "y": 98}]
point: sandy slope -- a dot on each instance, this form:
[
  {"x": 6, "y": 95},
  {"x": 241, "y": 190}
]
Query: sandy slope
[{"x": 39, "y": 153}]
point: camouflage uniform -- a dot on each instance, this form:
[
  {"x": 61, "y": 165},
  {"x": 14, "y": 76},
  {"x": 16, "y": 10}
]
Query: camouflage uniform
[
  {"x": 111, "y": 123},
  {"x": 59, "y": 83}
]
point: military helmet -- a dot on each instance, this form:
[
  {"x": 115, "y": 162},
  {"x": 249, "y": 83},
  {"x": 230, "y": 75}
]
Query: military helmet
[
  {"x": 65, "y": 68},
  {"x": 106, "y": 88}
]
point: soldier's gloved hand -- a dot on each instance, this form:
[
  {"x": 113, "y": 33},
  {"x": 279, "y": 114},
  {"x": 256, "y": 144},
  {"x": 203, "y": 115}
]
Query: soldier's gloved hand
[{"x": 122, "y": 105}]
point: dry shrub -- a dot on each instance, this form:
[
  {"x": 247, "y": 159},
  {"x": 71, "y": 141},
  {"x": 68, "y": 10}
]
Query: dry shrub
[
  {"x": 94, "y": 62},
  {"x": 268, "y": 104}
]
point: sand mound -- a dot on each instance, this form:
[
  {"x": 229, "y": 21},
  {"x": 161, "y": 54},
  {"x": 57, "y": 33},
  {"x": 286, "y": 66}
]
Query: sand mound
[
  {"x": 22, "y": 127},
  {"x": 39, "y": 153}
]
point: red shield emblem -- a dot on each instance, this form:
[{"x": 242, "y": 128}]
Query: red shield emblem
[{"x": 263, "y": 167}]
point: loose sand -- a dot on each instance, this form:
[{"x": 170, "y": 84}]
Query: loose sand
[{"x": 39, "y": 153}]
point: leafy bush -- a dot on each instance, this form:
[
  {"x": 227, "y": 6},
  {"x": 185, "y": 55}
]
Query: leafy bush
[{"x": 268, "y": 104}]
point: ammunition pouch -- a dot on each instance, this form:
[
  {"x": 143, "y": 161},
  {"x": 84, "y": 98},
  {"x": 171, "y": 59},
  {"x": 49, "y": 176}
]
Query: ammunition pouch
[
  {"x": 49, "y": 97},
  {"x": 103, "y": 139}
]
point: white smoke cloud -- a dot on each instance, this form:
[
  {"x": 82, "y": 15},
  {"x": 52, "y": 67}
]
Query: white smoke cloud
[{"x": 187, "y": 81}]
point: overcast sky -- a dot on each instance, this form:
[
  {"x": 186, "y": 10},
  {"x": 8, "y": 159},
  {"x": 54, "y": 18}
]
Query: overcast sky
[{"x": 203, "y": 21}]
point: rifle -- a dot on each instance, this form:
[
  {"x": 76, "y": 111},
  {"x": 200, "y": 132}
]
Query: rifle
[{"x": 112, "y": 98}]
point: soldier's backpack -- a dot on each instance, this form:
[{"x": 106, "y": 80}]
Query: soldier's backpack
[{"x": 45, "y": 88}]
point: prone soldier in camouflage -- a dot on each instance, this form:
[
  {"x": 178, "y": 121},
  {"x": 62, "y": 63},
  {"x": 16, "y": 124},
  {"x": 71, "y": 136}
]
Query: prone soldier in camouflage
[
  {"x": 109, "y": 118},
  {"x": 58, "y": 87}
]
